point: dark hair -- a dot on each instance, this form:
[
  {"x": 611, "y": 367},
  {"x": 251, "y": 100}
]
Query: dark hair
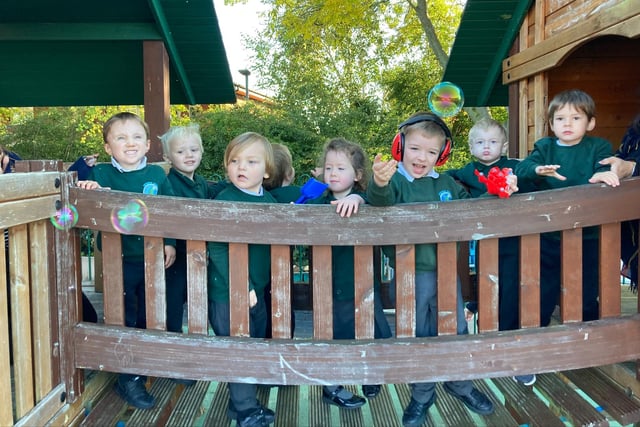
[
  {"x": 356, "y": 155},
  {"x": 575, "y": 97}
]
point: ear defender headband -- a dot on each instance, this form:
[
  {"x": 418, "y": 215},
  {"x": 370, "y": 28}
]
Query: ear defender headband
[{"x": 397, "y": 147}]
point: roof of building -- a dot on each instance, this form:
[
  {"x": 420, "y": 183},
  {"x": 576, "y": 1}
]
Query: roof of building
[
  {"x": 487, "y": 31},
  {"x": 81, "y": 52}
]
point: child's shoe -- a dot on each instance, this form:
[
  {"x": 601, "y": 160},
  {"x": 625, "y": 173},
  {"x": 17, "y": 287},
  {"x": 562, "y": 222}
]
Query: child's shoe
[
  {"x": 370, "y": 391},
  {"x": 415, "y": 413},
  {"x": 135, "y": 393},
  {"x": 256, "y": 417},
  {"x": 527, "y": 380}
]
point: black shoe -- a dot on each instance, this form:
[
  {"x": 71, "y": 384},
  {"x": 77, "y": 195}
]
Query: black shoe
[
  {"x": 415, "y": 413},
  {"x": 232, "y": 413},
  {"x": 353, "y": 402},
  {"x": 135, "y": 393},
  {"x": 257, "y": 417},
  {"x": 370, "y": 390},
  {"x": 185, "y": 382},
  {"x": 476, "y": 401}
]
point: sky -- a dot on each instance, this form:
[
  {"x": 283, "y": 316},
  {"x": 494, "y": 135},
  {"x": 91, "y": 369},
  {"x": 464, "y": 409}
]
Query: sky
[{"x": 236, "y": 21}]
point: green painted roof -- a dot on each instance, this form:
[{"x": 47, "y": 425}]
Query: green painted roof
[
  {"x": 487, "y": 31},
  {"x": 89, "y": 52}
]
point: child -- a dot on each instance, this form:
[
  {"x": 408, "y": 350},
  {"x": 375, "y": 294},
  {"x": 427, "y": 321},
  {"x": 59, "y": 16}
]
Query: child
[
  {"x": 182, "y": 146},
  {"x": 570, "y": 158},
  {"x": 126, "y": 138},
  {"x": 424, "y": 141},
  {"x": 487, "y": 144},
  {"x": 345, "y": 171},
  {"x": 280, "y": 182},
  {"x": 248, "y": 160}
]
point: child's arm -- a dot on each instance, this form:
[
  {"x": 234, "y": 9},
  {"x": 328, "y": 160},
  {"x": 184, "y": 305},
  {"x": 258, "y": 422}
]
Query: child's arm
[
  {"x": 608, "y": 177},
  {"x": 169, "y": 255},
  {"x": 550, "y": 170},
  {"x": 348, "y": 205}
]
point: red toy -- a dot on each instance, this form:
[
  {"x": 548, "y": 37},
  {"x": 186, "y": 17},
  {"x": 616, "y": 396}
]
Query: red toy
[{"x": 496, "y": 181}]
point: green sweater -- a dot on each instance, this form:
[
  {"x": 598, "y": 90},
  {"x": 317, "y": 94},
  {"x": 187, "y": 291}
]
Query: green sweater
[
  {"x": 426, "y": 189},
  {"x": 577, "y": 163},
  {"x": 286, "y": 194},
  {"x": 342, "y": 271},
  {"x": 259, "y": 255},
  {"x": 149, "y": 180}
]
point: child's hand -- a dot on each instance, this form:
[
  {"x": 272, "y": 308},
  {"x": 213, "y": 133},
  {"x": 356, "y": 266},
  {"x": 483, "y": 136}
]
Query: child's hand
[
  {"x": 348, "y": 205},
  {"x": 253, "y": 299},
  {"x": 383, "y": 171},
  {"x": 512, "y": 184},
  {"x": 169, "y": 256},
  {"x": 609, "y": 178},
  {"x": 88, "y": 185},
  {"x": 550, "y": 170}
]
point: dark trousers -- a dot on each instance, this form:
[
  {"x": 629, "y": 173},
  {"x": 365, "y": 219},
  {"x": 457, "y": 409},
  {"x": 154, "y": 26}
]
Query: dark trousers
[
  {"x": 427, "y": 326},
  {"x": 629, "y": 248},
  {"x": 242, "y": 395},
  {"x": 550, "y": 278},
  {"x": 176, "y": 278},
  {"x": 509, "y": 283},
  {"x": 134, "y": 303}
]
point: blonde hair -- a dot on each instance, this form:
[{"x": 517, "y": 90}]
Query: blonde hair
[
  {"x": 179, "y": 132},
  {"x": 283, "y": 167},
  {"x": 242, "y": 141},
  {"x": 486, "y": 124}
]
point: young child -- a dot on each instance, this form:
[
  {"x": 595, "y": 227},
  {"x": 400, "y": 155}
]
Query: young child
[
  {"x": 248, "y": 160},
  {"x": 569, "y": 158},
  {"x": 280, "y": 183},
  {"x": 488, "y": 144},
  {"x": 126, "y": 138},
  {"x": 182, "y": 146},
  {"x": 425, "y": 141},
  {"x": 344, "y": 169}
]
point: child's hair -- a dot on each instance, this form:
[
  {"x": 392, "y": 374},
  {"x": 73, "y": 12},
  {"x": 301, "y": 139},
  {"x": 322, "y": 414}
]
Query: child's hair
[
  {"x": 486, "y": 124},
  {"x": 355, "y": 154},
  {"x": 575, "y": 97},
  {"x": 176, "y": 132},
  {"x": 122, "y": 117},
  {"x": 283, "y": 167},
  {"x": 241, "y": 141},
  {"x": 428, "y": 127}
]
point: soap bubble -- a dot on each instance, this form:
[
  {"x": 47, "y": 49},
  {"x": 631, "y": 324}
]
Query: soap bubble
[
  {"x": 445, "y": 99},
  {"x": 130, "y": 218},
  {"x": 65, "y": 218}
]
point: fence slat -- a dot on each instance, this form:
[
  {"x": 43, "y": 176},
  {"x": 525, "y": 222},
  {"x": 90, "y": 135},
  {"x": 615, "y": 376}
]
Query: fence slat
[
  {"x": 239, "y": 289},
  {"x": 571, "y": 276},
  {"x": 155, "y": 285},
  {"x": 198, "y": 321},
  {"x": 447, "y": 288},
  {"x": 112, "y": 279},
  {"x": 281, "y": 297},
  {"x": 405, "y": 278},
  {"x": 322, "y": 292},
  {"x": 610, "y": 292},
  {"x": 364, "y": 312},
  {"x": 488, "y": 284},
  {"x": 530, "y": 281}
]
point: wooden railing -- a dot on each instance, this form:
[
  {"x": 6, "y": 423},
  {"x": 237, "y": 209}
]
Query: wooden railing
[{"x": 319, "y": 360}]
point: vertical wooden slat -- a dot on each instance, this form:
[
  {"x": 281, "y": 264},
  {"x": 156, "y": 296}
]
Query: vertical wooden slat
[
  {"x": 363, "y": 269},
  {"x": 21, "y": 318},
  {"x": 571, "y": 276},
  {"x": 405, "y": 276},
  {"x": 530, "y": 281},
  {"x": 155, "y": 285},
  {"x": 112, "y": 279},
  {"x": 281, "y": 291},
  {"x": 239, "y": 289},
  {"x": 488, "y": 283},
  {"x": 197, "y": 287},
  {"x": 322, "y": 293},
  {"x": 447, "y": 289},
  {"x": 610, "y": 292},
  {"x": 6, "y": 409},
  {"x": 40, "y": 300}
]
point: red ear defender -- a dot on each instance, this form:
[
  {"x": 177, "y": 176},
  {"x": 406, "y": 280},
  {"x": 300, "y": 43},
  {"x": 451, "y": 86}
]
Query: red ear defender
[{"x": 397, "y": 146}]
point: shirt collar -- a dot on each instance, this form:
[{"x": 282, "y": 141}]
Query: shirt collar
[
  {"x": 407, "y": 175},
  {"x": 115, "y": 164}
]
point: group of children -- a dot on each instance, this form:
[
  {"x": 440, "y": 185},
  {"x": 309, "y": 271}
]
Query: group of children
[{"x": 261, "y": 172}]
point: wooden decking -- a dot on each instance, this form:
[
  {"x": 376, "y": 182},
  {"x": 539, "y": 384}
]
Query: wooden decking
[{"x": 584, "y": 397}]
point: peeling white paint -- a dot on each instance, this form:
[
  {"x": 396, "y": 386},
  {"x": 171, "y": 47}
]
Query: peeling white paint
[
  {"x": 586, "y": 336},
  {"x": 547, "y": 216},
  {"x": 478, "y": 236}
]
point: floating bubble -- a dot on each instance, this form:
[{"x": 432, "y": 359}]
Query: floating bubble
[
  {"x": 445, "y": 99},
  {"x": 130, "y": 218},
  {"x": 65, "y": 218}
]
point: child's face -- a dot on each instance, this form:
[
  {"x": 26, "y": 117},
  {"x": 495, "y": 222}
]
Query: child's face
[
  {"x": 570, "y": 125},
  {"x": 185, "y": 154},
  {"x": 247, "y": 168},
  {"x": 421, "y": 152},
  {"x": 339, "y": 173},
  {"x": 127, "y": 143},
  {"x": 487, "y": 146}
]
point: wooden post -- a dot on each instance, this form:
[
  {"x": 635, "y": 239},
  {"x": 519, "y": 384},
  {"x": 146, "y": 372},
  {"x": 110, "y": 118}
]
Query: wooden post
[{"x": 156, "y": 94}]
